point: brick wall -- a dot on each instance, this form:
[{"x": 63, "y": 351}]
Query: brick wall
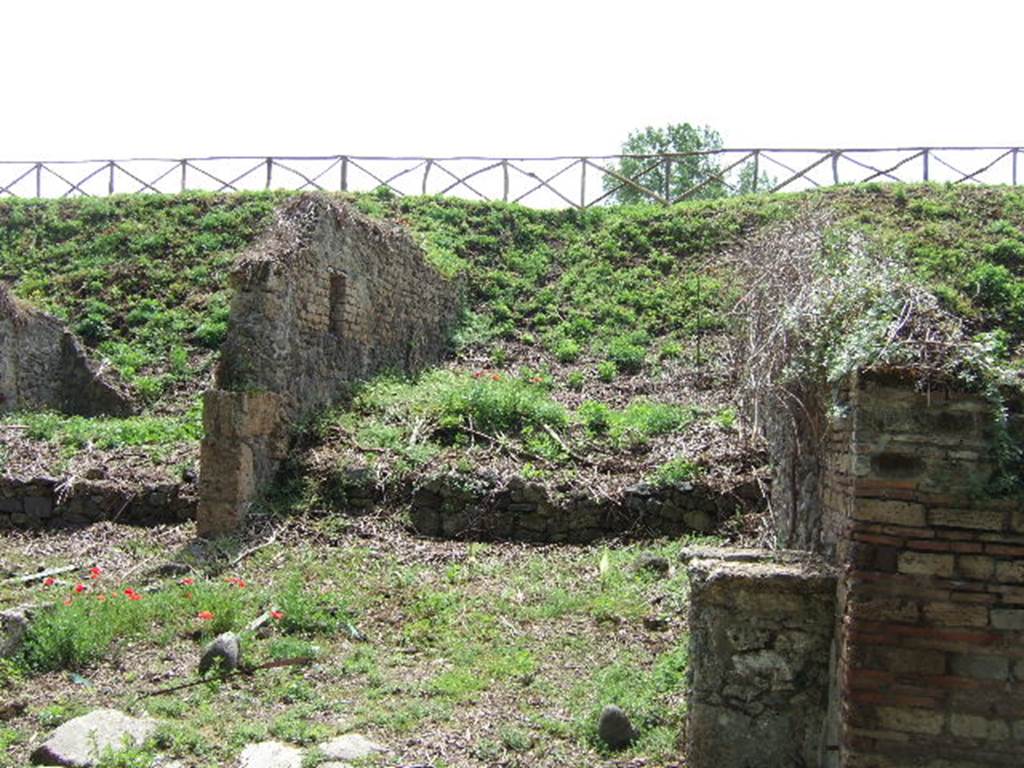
[{"x": 931, "y": 601}]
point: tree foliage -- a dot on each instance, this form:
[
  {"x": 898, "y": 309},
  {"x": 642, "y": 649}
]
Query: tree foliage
[{"x": 674, "y": 160}]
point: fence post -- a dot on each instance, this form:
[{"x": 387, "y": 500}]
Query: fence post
[
  {"x": 110, "y": 181},
  {"x": 1015, "y": 151},
  {"x": 668, "y": 180},
  {"x": 504, "y": 171},
  {"x": 39, "y": 178},
  {"x": 344, "y": 174},
  {"x": 270, "y": 171},
  {"x": 184, "y": 168},
  {"x": 835, "y": 166},
  {"x": 426, "y": 173},
  {"x": 924, "y": 159},
  {"x": 757, "y": 158},
  {"x": 583, "y": 183}
]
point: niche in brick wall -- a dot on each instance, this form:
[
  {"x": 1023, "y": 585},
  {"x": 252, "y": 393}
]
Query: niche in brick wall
[{"x": 339, "y": 290}]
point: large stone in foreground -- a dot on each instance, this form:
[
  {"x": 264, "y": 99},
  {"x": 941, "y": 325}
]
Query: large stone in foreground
[
  {"x": 351, "y": 746},
  {"x": 270, "y": 754},
  {"x": 80, "y": 742}
]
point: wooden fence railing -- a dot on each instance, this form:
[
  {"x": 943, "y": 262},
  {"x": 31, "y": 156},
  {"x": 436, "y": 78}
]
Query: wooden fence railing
[{"x": 573, "y": 181}]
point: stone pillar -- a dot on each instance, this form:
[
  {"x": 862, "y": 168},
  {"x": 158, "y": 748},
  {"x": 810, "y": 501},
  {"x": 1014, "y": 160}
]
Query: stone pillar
[
  {"x": 761, "y": 630},
  {"x": 243, "y": 443}
]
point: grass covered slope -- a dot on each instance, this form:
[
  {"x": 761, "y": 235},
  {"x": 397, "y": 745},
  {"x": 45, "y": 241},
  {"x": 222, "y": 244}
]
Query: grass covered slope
[{"x": 592, "y": 344}]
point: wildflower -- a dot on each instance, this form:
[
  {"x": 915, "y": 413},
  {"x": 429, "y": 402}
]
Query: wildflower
[
  {"x": 49, "y": 581},
  {"x": 205, "y": 615},
  {"x": 68, "y": 601},
  {"x": 95, "y": 573},
  {"x": 188, "y": 581},
  {"x": 277, "y": 615},
  {"x": 240, "y": 583},
  {"x": 80, "y": 588},
  {"x": 495, "y": 377},
  {"x": 102, "y": 598},
  {"x": 536, "y": 380},
  {"x": 478, "y": 374},
  {"x": 131, "y": 594}
]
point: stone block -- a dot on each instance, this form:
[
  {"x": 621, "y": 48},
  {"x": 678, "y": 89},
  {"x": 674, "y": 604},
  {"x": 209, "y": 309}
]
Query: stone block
[
  {"x": 979, "y": 667},
  {"x": 977, "y": 727},
  {"x": 911, "y": 720},
  {"x": 925, "y": 564},
  {"x": 889, "y": 512},
  {"x": 975, "y": 567},
  {"x": 1011, "y": 572},
  {"x": 1008, "y": 618},
  {"x": 38, "y": 508},
  {"x": 956, "y": 614},
  {"x": 975, "y": 519}
]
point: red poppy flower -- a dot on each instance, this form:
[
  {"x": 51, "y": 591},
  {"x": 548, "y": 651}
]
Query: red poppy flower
[
  {"x": 49, "y": 581},
  {"x": 68, "y": 601},
  {"x": 478, "y": 374},
  {"x": 240, "y": 583},
  {"x": 101, "y": 598},
  {"x": 277, "y": 615},
  {"x": 188, "y": 581},
  {"x": 205, "y": 615},
  {"x": 495, "y": 377},
  {"x": 95, "y": 573},
  {"x": 131, "y": 594},
  {"x": 80, "y": 588},
  {"x": 536, "y": 380}
]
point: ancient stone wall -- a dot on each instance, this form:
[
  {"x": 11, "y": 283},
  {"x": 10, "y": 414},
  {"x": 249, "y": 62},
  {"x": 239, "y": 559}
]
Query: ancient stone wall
[
  {"x": 327, "y": 298},
  {"x": 48, "y": 502},
  {"x": 44, "y": 367},
  {"x": 761, "y": 629},
  {"x": 476, "y": 507},
  {"x": 931, "y": 666}
]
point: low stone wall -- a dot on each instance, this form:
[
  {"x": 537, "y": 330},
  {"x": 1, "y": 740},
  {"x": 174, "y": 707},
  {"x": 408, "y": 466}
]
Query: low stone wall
[
  {"x": 327, "y": 298},
  {"x": 474, "y": 507},
  {"x": 761, "y": 632},
  {"x": 477, "y": 506},
  {"x": 43, "y": 366},
  {"x": 45, "y": 502}
]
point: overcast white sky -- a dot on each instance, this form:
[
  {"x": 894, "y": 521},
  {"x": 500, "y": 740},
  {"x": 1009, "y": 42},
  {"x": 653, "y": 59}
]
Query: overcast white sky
[{"x": 107, "y": 78}]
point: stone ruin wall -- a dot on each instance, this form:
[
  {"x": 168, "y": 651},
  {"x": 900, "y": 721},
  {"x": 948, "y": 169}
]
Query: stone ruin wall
[
  {"x": 327, "y": 298},
  {"x": 931, "y": 664},
  {"x": 43, "y": 366},
  {"x": 927, "y": 660}
]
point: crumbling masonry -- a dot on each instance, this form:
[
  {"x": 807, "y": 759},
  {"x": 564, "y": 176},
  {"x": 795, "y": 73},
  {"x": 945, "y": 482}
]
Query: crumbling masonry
[{"x": 326, "y": 298}]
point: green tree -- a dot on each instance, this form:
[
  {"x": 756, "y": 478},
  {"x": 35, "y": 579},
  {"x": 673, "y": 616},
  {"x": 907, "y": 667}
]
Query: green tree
[{"x": 684, "y": 168}]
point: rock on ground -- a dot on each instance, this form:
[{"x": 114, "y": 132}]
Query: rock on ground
[
  {"x": 78, "y": 743},
  {"x": 351, "y": 746},
  {"x": 614, "y": 728},
  {"x": 652, "y": 563},
  {"x": 270, "y": 754},
  {"x": 13, "y": 627},
  {"x": 224, "y": 650}
]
